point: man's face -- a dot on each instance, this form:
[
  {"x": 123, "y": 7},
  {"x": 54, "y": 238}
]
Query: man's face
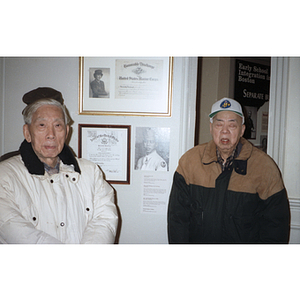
[
  {"x": 149, "y": 144},
  {"x": 47, "y": 133},
  {"x": 226, "y": 131}
]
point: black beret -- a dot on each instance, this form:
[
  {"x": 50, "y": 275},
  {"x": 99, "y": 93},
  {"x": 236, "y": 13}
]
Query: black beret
[
  {"x": 42, "y": 93},
  {"x": 98, "y": 72}
]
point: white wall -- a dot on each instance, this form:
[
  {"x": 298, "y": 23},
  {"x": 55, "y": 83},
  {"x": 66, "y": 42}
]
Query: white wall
[
  {"x": 283, "y": 131},
  {"x": 20, "y": 75},
  {"x": 291, "y": 168},
  {"x": 24, "y": 74}
]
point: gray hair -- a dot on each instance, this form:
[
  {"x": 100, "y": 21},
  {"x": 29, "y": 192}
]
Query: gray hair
[{"x": 30, "y": 109}]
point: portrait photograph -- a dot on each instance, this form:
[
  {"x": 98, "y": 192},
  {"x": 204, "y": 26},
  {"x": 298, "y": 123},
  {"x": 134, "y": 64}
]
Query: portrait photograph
[
  {"x": 99, "y": 82},
  {"x": 152, "y": 148}
]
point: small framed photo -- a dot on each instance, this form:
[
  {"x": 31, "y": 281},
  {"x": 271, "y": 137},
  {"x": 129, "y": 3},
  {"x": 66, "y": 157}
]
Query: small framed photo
[
  {"x": 138, "y": 86},
  {"x": 109, "y": 147}
]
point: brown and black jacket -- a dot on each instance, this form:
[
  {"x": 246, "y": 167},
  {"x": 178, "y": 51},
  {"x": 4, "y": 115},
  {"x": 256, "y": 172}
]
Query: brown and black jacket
[{"x": 245, "y": 204}]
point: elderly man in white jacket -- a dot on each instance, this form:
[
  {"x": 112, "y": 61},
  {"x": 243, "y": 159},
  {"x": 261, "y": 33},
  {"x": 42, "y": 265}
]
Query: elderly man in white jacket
[{"x": 46, "y": 194}]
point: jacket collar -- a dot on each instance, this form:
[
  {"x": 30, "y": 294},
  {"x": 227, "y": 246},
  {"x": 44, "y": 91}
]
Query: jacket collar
[
  {"x": 36, "y": 167},
  {"x": 210, "y": 152}
]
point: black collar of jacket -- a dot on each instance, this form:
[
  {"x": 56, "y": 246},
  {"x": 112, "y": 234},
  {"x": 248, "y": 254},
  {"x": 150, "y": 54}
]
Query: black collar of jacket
[
  {"x": 240, "y": 163},
  {"x": 36, "y": 167}
]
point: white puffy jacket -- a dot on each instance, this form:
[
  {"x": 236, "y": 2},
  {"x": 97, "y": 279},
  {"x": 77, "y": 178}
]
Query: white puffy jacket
[{"x": 68, "y": 207}]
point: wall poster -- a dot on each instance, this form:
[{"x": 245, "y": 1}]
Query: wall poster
[
  {"x": 252, "y": 83},
  {"x": 252, "y": 88}
]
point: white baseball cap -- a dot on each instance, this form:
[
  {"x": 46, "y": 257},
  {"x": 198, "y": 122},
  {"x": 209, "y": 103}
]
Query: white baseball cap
[{"x": 226, "y": 104}]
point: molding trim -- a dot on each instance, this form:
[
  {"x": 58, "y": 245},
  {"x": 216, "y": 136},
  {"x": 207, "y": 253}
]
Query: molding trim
[
  {"x": 277, "y": 109},
  {"x": 295, "y": 206},
  {"x": 188, "y": 113},
  {"x": 295, "y": 226},
  {"x": 294, "y": 203}
]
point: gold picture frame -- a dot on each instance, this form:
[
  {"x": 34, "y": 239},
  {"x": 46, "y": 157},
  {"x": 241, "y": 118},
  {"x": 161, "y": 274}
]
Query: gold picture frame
[{"x": 132, "y": 86}]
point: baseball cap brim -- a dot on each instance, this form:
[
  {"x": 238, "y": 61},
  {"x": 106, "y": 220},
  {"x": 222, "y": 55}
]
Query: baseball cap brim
[{"x": 214, "y": 113}]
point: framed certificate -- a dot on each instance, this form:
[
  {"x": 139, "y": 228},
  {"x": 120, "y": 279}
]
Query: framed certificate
[
  {"x": 109, "y": 147},
  {"x": 140, "y": 86}
]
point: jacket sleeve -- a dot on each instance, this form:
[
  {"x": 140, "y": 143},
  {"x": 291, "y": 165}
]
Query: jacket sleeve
[
  {"x": 179, "y": 211},
  {"x": 14, "y": 228},
  {"x": 275, "y": 219},
  {"x": 275, "y": 210},
  {"x": 101, "y": 229}
]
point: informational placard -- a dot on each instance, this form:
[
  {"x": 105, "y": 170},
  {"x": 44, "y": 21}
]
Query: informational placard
[
  {"x": 155, "y": 193},
  {"x": 252, "y": 83}
]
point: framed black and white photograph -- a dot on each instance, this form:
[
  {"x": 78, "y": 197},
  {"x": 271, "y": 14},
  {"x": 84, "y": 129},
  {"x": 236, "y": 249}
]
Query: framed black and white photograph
[
  {"x": 138, "y": 86},
  {"x": 152, "y": 149},
  {"x": 99, "y": 83},
  {"x": 108, "y": 146}
]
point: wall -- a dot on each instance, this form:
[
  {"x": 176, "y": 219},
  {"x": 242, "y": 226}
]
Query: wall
[
  {"x": 1, "y": 106},
  {"x": 214, "y": 86},
  {"x": 19, "y": 75},
  {"x": 218, "y": 82},
  {"x": 286, "y": 141}
]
